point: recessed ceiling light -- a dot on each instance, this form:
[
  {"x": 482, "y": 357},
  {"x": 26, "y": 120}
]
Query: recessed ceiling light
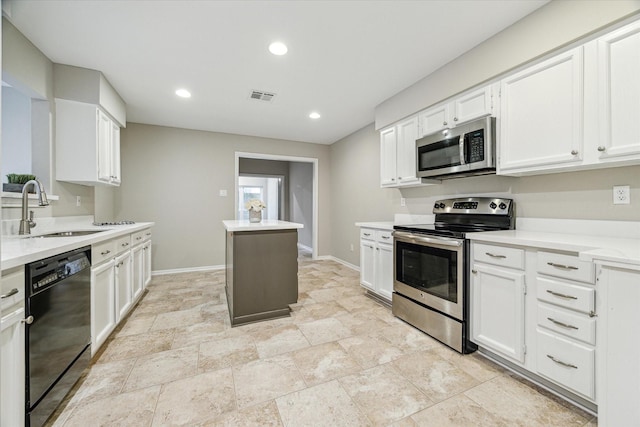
[
  {"x": 183, "y": 93},
  {"x": 278, "y": 48},
  {"x": 314, "y": 115}
]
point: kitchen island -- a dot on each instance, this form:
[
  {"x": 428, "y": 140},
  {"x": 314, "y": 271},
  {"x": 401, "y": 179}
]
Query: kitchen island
[{"x": 261, "y": 269}]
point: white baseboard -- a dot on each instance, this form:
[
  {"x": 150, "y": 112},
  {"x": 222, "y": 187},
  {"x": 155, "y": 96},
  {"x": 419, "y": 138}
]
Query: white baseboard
[
  {"x": 338, "y": 260},
  {"x": 187, "y": 270}
]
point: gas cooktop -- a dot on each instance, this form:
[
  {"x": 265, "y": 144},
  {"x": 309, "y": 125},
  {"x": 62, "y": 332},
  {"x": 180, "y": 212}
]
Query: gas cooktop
[{"x": 124, "y": 222}]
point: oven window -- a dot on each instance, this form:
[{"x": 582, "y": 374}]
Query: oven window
[
  {"x": 440, "y": 154},
  {"x": 428, "y": 269}
]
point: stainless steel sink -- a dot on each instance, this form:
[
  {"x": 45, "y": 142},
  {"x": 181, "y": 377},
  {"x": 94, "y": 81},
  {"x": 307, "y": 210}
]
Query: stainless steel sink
[{"x": 74, "y": 233}]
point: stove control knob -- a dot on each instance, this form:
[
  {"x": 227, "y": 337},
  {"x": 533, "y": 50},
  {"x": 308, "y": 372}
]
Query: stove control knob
[
  {"x": 436, "y": 206},
  {"x": 492, "y": 205},
  {"x": 503, "y": 206},
  {"x": 441, "y": 206}
]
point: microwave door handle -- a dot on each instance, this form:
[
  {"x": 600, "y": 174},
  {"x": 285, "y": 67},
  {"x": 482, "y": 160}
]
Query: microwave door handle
[{"x": 462, "y": 150}]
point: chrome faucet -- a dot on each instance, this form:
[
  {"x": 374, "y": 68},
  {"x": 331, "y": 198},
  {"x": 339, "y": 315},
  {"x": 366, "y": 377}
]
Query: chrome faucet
[{"x": 27, "y": 223}]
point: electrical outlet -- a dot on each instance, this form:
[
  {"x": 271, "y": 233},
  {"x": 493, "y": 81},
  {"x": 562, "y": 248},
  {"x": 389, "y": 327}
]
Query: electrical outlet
[
  {"x": 403, "y": 201},
  {"x": 78, "y": 201},
  {"x": 621, "y": 195},
  {"x": 223, "y": 193},
  {"x": 352, "y": 247}
]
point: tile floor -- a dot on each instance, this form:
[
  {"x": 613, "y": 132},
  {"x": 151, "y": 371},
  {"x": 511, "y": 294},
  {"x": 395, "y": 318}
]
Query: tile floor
[{"x": 341, "y": 359}]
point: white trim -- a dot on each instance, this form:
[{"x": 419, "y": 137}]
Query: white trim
[
  {"x": 338, "y": 260},
  {"x": 304, "y": 247},
  {"x": 187, "y": 270},
  {"x": 313, "y": 160}
]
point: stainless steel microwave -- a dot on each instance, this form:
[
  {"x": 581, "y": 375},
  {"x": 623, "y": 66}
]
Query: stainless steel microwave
[{"x": 465, "y": 150}]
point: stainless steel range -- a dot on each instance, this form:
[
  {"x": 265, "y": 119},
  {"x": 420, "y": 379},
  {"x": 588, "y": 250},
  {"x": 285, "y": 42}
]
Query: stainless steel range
[{"x": 431, "y": 267}]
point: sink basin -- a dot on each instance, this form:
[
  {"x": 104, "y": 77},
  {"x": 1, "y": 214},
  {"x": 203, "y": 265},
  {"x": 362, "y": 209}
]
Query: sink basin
[{"x": 74, "y": 233}]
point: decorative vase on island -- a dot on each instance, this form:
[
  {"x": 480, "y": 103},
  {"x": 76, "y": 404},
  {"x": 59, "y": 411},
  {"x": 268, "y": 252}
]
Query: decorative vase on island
[{"x": 255, "y": 216}]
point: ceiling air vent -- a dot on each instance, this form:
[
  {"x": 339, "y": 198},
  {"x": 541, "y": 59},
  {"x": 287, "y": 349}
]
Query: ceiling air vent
[{"x": 260, "y": 95}]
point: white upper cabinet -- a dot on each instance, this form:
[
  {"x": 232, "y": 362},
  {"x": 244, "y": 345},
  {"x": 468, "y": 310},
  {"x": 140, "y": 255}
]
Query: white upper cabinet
[
  {"x": 461, "y": 109},
  {"x": 398, "y": 154},
  {"x": 619, "y": 94},
  {"x": 542, "y": 114},
  {"x": 87, "y": 145}
]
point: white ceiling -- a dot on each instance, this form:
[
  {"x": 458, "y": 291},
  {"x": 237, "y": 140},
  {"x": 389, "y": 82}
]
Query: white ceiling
[{"x": 345, "y": 57}]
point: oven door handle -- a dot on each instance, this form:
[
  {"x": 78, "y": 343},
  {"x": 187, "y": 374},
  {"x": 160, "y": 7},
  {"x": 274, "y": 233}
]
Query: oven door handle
[{"x": 412, "y": 238}]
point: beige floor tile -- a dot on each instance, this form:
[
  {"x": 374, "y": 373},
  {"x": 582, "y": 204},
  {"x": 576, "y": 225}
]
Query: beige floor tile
[
  {"x": 322, "y": 405},
  {"x": 177, "y": 319},
  {"x": 406, "y": 338},
  {"x": 279, "y": 340},
  {"x": 384, "y": 395},
  {"x": 362, "y": 322},
  {"x": 102, "y": 380},
  {"x": 136, "y": 345},
  {"x": 324, "y": 330},
  {"x": 520, "y": 405},
  {"x": 226, "y": 352},
  {"x": 136, "y": 325},
  {"x": 473, "y": 364},
  {"x": 163, "y": 367},
  {"x": 266, "y": 379},
  {"x": 435, "y": 376},
  {"x": 127, "y": 409},
  {"x": 195, "y": 399},
  {"x": 357, "y": 303},
  {"x": 324, "y": 362},
  {"x": 318, "y": 311},
  {"x": 457, "y": 411},
  {"x": 261, "y": 415},
  {"x": 370, "y": 351}
]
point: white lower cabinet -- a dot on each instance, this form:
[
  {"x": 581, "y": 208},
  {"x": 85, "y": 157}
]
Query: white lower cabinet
[
  {"x": 103, "y": 307},
  {"x": 124, "y": 284},
  {"x": 147, "y": 263},
  {"x": 376, "y": 261},
  {"x": 12, "y": 363},
  {"x": 498, "y": 310},
  {"x": 137, "y": 271}
]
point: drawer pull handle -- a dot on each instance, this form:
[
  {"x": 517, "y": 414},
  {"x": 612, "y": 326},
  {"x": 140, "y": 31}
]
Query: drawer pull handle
[
  {"x": 367, "y": 234},
  {"x": 386, "y": 237},
  {"x": 564, "y": 325},
  {"x": 107, "y": 252},
  {"x": 495, "y": 256},
  {"x": 561, "y": 295},
  {"x": 560, "y": 362},
  {"x": 148, "y": 234},
  {"x": 124, "y": 245},
  {"x": 11, "y": 293},
  {"x": 564, "y": 267}
]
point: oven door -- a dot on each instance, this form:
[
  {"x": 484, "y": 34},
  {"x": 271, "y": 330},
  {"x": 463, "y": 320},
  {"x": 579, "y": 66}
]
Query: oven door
[{"x": 429, "y": 270}]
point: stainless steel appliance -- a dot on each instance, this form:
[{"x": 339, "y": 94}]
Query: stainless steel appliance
[
  {"x": 58, "y": 332},
  {"x": 431, "y": 266},
  {"x": 465, "y": 150}
]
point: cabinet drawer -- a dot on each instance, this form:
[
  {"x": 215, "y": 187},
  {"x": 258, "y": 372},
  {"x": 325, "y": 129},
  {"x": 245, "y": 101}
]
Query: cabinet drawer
[
  {"x": 123, "y": 243},
  {"x": 367, "y": 233},
  {"x": 384, "y": 236},
  {"x": 565, "y": 322},
  {"x": 13, "y": 286},
  {"x": 566, "y": 266},
  {"x": 140, "y": 236},
  {"x": 103, "y": 251},
  {"x": 569, "y": 364},
  {"x": 499, "y": 255},
  {"x": 568, "y": 295}
]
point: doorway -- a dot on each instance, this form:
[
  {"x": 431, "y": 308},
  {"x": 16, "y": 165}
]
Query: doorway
[{"x": 297, "y": 192}]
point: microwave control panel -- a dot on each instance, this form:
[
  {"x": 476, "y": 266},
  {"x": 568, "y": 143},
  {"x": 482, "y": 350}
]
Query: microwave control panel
[{"x": 475, "y": 146}]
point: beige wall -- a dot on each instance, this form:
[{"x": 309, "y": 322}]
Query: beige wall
[
  {"x": 557, "y": 23},
  {"x": 173, "y": 177},
  {"x": 356, "y": 195}
]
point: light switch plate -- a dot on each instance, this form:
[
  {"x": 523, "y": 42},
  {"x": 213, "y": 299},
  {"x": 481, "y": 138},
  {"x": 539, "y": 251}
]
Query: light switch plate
[
  {"x": 223, "y": 193},
  {"x": 621, "y": 195},
  {"x": 403, "y": 201}
]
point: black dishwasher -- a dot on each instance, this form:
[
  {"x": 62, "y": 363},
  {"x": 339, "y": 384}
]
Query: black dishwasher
[{"x": 58, "y": 332}]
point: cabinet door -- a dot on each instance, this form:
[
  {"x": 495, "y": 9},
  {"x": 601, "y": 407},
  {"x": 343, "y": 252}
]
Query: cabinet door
[
  {"x": 384, "y": 270},
  {"x": 406, "y": 152},
  {"x": 435, "y": 119},
  {"x": 388, "y": 144},
  {"x": 473, "y": 105},
  {"x": 115, "y": 154},
  {"x": 12, "y": 369},
  {"x": 123, "y": 285},
  {"x": 103, "y": 311},
  {"x": 104, "y": 147},
  {"x": 497, "y": 310},
  {"x": 542, "y": 115},
  {"x": 367, "y": 269},
  {"x": 137, "y": 273},
  {"x": 619, "y": 92},
  {"x": 147, "y": 263}
]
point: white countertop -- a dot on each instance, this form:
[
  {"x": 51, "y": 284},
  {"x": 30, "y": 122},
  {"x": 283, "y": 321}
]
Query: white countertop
[
  {"x": 264, "y": 225},
  {"x": 20, "y": 250},
  {"x": 380, "y": 225},
  {"x": 614, "y": 251}
]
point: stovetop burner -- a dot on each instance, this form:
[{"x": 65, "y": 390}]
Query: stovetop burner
[{"x": 124, "y": 222}]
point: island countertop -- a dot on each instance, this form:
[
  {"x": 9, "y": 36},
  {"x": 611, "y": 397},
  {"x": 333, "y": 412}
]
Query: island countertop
[{"x": 264, "y": 225}]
